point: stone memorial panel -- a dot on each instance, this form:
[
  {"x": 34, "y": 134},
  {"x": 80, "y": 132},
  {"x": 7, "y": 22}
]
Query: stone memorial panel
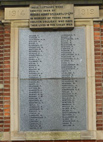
[
  {"x": 52, "y": 105},
  {"x": 52, "y": 73},
  {"x": 51, "y": 16},
  {"x": 52, "y": 54}
]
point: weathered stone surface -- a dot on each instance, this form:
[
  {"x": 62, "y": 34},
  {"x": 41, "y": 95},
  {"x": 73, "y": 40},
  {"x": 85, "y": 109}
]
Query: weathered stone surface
[
  {"x": 17, "y": 13},
  {"x": 81, "y": 12}
]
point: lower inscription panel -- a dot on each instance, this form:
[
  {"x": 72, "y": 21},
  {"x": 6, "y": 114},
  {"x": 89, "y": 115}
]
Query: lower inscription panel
[{"x": 52, "y": 105}]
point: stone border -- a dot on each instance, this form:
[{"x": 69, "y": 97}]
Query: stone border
[
  {"x": 20, "y": 13},
  {"x": 91, "y": 133},
  {"x": 99, "y": 135},
  {"x": 5, "y": 136}
]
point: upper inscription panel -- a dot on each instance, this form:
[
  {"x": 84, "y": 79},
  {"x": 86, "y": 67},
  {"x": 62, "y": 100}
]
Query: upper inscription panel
[
  {"x": 51, "y": 16},
  {"x": 52, "y": 54}
]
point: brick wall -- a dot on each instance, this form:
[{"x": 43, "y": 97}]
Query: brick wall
[
  {"x": 4, "y": 78},
  {"x": 98, "y": 40}
]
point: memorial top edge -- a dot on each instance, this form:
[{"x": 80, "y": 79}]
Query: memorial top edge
[
  {"x": 28, "y": 2},
  {"x": 80, "y": 1}
]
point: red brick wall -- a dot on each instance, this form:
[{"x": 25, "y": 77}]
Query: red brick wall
[
  {"x": 98, "y": 40},
  {"x": 4, "y": 78}
]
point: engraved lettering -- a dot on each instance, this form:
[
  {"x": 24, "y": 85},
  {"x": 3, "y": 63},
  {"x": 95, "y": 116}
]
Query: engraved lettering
[
  {"x": 83, "y": 11},
  {"x": 52, "y": 16},
  {"x": 12, "y": 13},
  {"x": 92, "y": 11},
  {"x": 86, "y": 12},
  {"x": 52, "y": 80}
]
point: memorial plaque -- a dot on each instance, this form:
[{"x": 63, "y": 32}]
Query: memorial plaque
[
  {"x": 51, "y": 16},
  {"x": 52, "y": 72}
]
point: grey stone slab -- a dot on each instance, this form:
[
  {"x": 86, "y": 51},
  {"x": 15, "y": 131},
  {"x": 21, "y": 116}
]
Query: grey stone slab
[
  {"x": 52, "y": 54},
  {"x": 53, "y": 105}
]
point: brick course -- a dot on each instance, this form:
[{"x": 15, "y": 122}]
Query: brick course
[
  {"x": 98, "y": 41},
  {"x": 4, "y": 78}
]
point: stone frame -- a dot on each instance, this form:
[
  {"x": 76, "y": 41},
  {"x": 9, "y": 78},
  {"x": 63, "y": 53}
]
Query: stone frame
[{"x": 56, "y": 135}]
